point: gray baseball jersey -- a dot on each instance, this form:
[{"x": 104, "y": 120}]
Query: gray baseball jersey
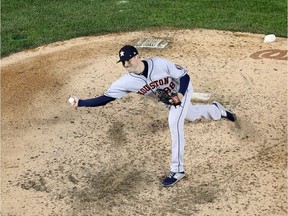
[{"x": 162, "y": 74}]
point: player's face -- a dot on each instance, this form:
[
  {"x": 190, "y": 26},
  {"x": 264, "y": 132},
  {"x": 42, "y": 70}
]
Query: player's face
[{"x": 132, "y": 64}]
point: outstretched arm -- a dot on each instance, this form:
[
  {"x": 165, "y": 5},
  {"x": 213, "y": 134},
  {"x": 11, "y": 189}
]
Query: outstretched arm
[{"x": 93, "y": 102}]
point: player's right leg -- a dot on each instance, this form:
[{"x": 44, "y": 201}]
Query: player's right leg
[
  {"x": 214, "y": 111},
  {"x": 203, "y": 111},
  {"x": 225, "y": 113}
]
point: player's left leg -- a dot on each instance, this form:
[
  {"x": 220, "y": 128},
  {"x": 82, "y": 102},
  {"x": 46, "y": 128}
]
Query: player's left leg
[{"x": 177, "y": 117}]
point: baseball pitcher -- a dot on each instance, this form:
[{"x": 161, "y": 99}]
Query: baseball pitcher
[{"x": 170, "y": 84}]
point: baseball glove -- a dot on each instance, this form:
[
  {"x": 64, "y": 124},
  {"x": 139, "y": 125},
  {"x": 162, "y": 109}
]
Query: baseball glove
[{"x": 168, "y": 97}]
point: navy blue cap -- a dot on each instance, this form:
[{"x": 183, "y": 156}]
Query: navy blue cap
[{"x": 127, "y": 52}]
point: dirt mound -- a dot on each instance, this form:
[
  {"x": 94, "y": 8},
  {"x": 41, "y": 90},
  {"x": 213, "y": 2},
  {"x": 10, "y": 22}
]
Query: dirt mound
[{"x": 109, "y": 160}]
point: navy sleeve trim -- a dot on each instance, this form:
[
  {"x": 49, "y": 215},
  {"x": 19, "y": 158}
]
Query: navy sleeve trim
[
  {"x": 184, "y": 81},
  {"x": 94, "y": 102}
]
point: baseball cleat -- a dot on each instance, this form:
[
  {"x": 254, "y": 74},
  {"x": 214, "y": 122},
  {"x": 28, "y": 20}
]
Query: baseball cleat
[
  {"x": 172, "y": 178},
  {"x": 225, "y": 112}
]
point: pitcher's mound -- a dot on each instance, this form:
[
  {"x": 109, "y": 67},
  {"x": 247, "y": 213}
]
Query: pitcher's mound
[{"x": 109, "y": 160}]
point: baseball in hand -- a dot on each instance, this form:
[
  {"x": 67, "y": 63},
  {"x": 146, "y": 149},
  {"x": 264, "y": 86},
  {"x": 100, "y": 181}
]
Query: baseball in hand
[{"x": 71, "y": 100}]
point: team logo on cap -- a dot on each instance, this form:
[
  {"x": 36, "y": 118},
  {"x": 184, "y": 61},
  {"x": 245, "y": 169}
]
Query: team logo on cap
[{"x": 122, "y": 53}]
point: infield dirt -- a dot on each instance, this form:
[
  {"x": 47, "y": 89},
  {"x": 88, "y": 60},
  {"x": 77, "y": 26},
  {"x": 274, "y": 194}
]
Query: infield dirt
[{"x": 109, "y": 160}]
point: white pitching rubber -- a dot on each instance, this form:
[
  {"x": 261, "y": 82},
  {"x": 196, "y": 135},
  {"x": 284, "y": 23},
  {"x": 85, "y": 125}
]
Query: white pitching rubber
[{"x": 200, "y": 96}]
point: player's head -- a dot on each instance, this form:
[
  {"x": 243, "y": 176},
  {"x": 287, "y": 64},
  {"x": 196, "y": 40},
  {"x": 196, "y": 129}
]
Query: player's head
[{"x": 126, "y": 53}]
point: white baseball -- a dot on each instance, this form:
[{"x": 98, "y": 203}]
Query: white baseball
[{"x": 71, "y": 101}]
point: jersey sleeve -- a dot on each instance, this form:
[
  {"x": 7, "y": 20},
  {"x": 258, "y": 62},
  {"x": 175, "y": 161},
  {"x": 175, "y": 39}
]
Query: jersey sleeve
[
  {"x": 174, "y": 70},
  {"x": 177, "y": 73},
  {"x": 117, "y": 89}
]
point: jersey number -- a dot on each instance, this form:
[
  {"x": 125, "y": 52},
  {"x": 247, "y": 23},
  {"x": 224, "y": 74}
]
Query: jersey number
[{"x": 171, "y": 87}]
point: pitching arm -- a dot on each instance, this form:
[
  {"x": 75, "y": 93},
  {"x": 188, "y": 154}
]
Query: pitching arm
[{"x": 93, "y": 102}]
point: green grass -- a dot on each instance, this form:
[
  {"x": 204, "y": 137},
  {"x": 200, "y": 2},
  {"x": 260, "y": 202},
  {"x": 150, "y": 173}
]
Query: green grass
[{"x": 30, "y": 23}]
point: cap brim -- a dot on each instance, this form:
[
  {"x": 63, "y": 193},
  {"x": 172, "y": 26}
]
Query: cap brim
[
  {"x": 127, "y": 58},
  {"x": 122, "y": 60}
]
